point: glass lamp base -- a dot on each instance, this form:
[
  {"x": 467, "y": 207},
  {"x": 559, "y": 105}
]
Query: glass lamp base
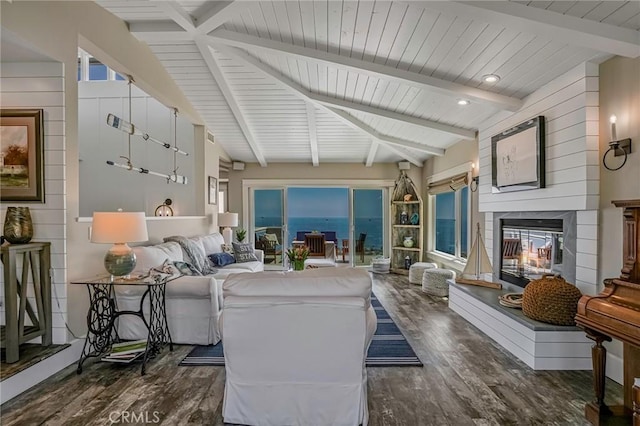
[{"x": 120, "y": 261}]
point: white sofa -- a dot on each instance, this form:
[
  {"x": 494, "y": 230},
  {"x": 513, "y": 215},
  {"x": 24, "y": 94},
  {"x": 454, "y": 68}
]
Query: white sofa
[
  {"x": 295, "y": 345},
  {"x": 193, "y": 303}
]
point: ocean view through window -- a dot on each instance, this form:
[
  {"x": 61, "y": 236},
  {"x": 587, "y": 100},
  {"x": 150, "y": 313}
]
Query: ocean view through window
[
  {"x": 451, "y": 224},
  {"x": 326, "y": 211}
]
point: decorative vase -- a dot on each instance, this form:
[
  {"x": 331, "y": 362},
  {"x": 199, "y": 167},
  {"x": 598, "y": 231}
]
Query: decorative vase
[
  {"x": 404, "y": 218},
  {"x": 298, "y": 265},
  {"x": 18, "y": 227},
  {"x": 408, "y": 241}
]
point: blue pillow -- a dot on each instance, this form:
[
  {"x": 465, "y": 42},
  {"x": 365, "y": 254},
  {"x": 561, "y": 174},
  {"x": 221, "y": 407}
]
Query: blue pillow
[{"x": 222, "y": 259}]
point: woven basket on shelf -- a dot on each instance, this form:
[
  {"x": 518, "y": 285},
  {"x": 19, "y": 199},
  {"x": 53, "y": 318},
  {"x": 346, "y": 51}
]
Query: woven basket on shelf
[{"x": 551, "y": 299}]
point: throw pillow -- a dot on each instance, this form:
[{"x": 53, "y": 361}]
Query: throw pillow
[
  {"x": 195, "y": 252},
  {"x": 186, "y": 268},
  {"x": 222, "y": 259},
  {"x": 226, "y": 248},
  {"x": 243, "y": 252}
]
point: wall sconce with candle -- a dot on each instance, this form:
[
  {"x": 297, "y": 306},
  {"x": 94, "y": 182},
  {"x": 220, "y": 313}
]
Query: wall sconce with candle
[
  {"x": 165, "y": 209},
  {"x": 619, "y": 147}
]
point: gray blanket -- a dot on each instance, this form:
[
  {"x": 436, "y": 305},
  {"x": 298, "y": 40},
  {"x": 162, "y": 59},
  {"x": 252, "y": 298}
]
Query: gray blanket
[{"x": 195, "y": 253}]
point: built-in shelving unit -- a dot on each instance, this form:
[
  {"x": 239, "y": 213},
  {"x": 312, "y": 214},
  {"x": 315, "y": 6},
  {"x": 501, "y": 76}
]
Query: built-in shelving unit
[{"x": 401, "y": 225}]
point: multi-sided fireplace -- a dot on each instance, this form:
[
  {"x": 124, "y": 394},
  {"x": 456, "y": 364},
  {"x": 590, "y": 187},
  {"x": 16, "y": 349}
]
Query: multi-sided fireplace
[{"x": 533, "y": 244}]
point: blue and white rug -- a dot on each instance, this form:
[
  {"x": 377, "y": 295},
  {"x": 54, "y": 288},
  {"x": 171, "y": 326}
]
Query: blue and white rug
[{"x": 388, "y": 347}]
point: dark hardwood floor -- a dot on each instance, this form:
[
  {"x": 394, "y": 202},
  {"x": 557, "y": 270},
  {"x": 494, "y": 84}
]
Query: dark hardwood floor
[{"x": 467, "y": 379}]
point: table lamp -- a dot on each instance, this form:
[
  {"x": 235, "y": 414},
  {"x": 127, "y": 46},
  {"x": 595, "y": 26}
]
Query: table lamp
[
  {"x": 119, "y": 228},
  {"x": 227, "y": 220}
]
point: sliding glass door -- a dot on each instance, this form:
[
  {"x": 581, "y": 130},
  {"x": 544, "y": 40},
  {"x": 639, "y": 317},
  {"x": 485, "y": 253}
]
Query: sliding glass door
[
  {"x": 367, "y": 224},
  {"x": 269, "y": 225},
  {"x": 352, "y": 219}
]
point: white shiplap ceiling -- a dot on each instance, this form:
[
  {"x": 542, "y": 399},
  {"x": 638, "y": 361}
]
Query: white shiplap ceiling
[{"x": 363, "y": 81}]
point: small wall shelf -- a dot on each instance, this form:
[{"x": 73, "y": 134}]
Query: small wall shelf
[
  {"x": 406, "y": 226},
  {"x": 406, "y": 248}
]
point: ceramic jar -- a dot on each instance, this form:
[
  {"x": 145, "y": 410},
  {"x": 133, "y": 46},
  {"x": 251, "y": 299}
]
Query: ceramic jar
[
  {"x": 18, "y": 227},
  {"x": 408, "y": 241}
]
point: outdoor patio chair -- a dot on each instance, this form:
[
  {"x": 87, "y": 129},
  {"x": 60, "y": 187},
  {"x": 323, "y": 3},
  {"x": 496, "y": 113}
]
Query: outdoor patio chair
[{"x": 315, "y": 242}]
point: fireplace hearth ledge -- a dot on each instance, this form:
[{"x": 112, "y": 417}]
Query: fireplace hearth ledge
[{"x": 540, "y": 345}]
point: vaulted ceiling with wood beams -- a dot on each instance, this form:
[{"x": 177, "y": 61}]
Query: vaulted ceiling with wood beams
[{"x": 368, "y": 81}]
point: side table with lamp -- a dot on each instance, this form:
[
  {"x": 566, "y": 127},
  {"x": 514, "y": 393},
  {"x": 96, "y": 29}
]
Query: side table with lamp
[{"x": 121, "y": 228}]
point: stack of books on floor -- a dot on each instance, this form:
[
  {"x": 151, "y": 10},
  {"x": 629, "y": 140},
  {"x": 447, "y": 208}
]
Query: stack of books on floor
[{"x": 126, "y": 352}]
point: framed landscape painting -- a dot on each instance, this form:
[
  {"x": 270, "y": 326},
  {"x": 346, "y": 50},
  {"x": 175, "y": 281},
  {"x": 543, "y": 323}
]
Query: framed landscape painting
[{"x": 21, "y": 155}]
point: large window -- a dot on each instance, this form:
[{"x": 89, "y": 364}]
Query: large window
[{"x": 451, "y": 222}]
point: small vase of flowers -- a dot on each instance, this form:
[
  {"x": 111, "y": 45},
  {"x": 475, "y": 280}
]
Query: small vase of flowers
[{"x": 297, "y": 255}]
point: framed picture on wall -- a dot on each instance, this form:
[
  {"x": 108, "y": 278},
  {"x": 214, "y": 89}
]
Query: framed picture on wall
[
  {"x": 517, "y": 157},
  {"x": 22, "y": 155},
  {"x": 213, "y": 190}
]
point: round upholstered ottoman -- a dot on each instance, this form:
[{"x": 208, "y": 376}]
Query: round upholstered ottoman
[
  {"x": 416, "y": 270},
  {"x": 434, "y": 281}
]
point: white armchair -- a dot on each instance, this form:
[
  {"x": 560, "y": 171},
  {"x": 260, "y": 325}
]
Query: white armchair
[{"x": 295, "y": 345}]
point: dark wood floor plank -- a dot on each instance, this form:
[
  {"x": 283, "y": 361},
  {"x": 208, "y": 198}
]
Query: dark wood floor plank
[{"x": 467, "y": 379}]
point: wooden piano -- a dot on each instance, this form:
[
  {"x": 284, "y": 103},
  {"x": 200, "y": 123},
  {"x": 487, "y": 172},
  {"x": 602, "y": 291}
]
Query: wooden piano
[{"x": 615, "y": 313}]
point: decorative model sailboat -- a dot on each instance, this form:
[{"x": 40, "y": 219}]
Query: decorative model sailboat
[{"x": 478, "y": 263}]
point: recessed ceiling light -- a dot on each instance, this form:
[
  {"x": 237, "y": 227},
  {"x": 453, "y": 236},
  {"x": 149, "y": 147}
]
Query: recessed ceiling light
[
  {"x": 463, "y": 102},
  {"x": 491, "y": 78}
]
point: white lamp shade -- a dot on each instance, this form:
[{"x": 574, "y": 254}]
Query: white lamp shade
[
  {"x": 227, "y": 219},
  {"x": 119, "y": 227}
]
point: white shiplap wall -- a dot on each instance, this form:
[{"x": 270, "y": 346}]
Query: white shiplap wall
[
  {"x": 41, "y": 85},
  {"x": 570, "y": 106}
]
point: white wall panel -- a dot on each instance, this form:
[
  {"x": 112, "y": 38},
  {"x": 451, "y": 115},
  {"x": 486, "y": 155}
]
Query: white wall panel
[{"x": 41, "y": 85}]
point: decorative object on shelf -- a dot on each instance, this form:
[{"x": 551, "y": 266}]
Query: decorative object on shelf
[
  {"x": 404, "y": 218},
  {"x": 511, "y": 300},
  {"x": 18, "y": 227},
  {"x": 408, "y": 241},
  {"x": 551, "y": 299},
  {"x": 165, "y": 209},
  {"x": 213, "y": 190},
  {"x": 518, "y": 157},
  {"x": 119, "y": 228},
  {"x": 619, "y": 147},
  {"x": 227, "y": 221},
  {"x": 415, "y": 219},
  {"x": 130, "y": 129},
  {"x": 478, "y": 263},
  {"x": 241, "y": 234},
  {"x": 407, "y": 262},
  {"x": 297, "y": 255},
  {"x": 22, "y": 160},
  {"x": 407, "y": 197}
]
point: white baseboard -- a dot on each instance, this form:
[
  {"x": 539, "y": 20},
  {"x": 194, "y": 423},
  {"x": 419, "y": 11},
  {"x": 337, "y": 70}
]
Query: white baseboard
[
  {"x": 26, "y": 379},
  {"x": 615, "y": 368}
]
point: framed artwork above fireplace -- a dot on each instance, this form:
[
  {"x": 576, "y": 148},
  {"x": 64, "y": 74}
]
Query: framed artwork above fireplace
[{"x": 517, "y": 157}]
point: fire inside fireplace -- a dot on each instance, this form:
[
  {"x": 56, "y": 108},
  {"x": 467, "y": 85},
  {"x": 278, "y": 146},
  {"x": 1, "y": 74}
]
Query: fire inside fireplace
[{"x": 530, "y": 248}]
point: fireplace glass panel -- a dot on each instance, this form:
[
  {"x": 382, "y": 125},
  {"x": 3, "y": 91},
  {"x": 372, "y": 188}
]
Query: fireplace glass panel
[{"x": 528, "y": 252}]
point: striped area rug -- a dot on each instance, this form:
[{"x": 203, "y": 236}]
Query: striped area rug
[{"x": 388, "y": 348}]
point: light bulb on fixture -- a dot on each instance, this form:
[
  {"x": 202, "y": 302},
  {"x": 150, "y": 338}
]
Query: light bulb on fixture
[
  {"x": 491, "y": 78},
  {"x": 463, "y": 102}
]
